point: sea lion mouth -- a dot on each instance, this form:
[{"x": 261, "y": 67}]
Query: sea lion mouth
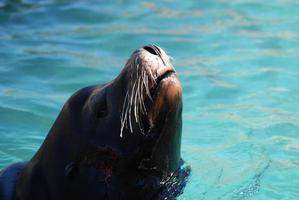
[
  {"x": 148, "y": 121},
  {"x": 165, "y": 75},
  {"x": 165, "y": 95}
]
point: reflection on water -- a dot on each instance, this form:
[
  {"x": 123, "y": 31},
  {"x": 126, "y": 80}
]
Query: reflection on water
[{"x": 238, "y": 63}]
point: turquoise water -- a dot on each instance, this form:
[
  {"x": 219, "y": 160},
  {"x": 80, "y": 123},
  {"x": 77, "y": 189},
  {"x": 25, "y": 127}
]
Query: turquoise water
[{"x": 238, "y": 63}]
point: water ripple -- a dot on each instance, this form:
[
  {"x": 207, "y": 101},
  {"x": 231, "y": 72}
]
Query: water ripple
[{"x": 237, "y": 61}]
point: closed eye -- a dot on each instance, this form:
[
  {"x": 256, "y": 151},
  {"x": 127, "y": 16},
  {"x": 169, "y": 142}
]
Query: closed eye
[
  {"x": 102, "y": 111},
  {"x": 100, "y": 105}
]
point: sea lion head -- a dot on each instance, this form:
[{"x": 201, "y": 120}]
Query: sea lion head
[
  {"x": 142, "y": 105},
  {"x": 126, "y": 133}
]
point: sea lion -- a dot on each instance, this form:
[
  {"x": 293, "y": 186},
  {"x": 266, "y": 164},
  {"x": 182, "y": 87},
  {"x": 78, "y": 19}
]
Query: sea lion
[{"x": 121, "y": 140}]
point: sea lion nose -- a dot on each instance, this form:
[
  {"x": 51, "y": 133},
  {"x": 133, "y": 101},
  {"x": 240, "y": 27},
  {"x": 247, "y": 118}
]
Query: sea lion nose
[{"x": 152, "y": 49}]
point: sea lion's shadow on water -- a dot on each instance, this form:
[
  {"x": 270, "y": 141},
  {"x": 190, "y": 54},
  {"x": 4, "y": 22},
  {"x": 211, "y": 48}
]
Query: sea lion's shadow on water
[{"x": 121, "y": 140}]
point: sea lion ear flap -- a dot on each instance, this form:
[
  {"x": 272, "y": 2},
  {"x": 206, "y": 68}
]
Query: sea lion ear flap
[{"x": 98, "y": 104}]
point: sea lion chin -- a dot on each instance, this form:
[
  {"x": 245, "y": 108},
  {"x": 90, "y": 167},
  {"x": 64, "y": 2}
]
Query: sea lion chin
[{"x": 120, "y": 140}]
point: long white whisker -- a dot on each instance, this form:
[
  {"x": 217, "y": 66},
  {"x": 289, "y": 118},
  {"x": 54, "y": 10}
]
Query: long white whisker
[
  {"x": 135, "y": 104},
  {"x": 143, "y": 86},
  {"x": 142, "y": 79},
  {"x": 124, "y": 114},
  {"x": 146, "y": 85},
  {"x": 130, "y": 110},
  {"x": 141, "y": 101}
]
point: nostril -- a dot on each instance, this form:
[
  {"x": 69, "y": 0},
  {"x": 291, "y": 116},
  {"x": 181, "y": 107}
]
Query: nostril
[{"x": 151, "y": 49}]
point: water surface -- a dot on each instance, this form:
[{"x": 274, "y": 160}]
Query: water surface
[{"x": 238, "y": 63}]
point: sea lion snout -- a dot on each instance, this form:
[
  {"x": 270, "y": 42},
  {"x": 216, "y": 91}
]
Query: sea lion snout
[
  {"x": 154, "y": 59},
  {"x": 148, "y": 73}
]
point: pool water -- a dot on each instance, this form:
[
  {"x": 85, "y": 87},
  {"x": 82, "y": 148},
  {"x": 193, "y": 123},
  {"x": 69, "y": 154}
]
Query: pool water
[{"x": 238, "y": 64}]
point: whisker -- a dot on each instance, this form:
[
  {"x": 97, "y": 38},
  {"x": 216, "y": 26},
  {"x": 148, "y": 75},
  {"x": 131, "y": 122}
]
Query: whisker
[
  {"x": 142, "y": 105},
  {"x": 135, "y": 104},
  {"x": 134, "y": 108},
  {"x": 147, "y": 87},
  {"x": 131, "y": 103},
  {"x": 124, "y": 115}
]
